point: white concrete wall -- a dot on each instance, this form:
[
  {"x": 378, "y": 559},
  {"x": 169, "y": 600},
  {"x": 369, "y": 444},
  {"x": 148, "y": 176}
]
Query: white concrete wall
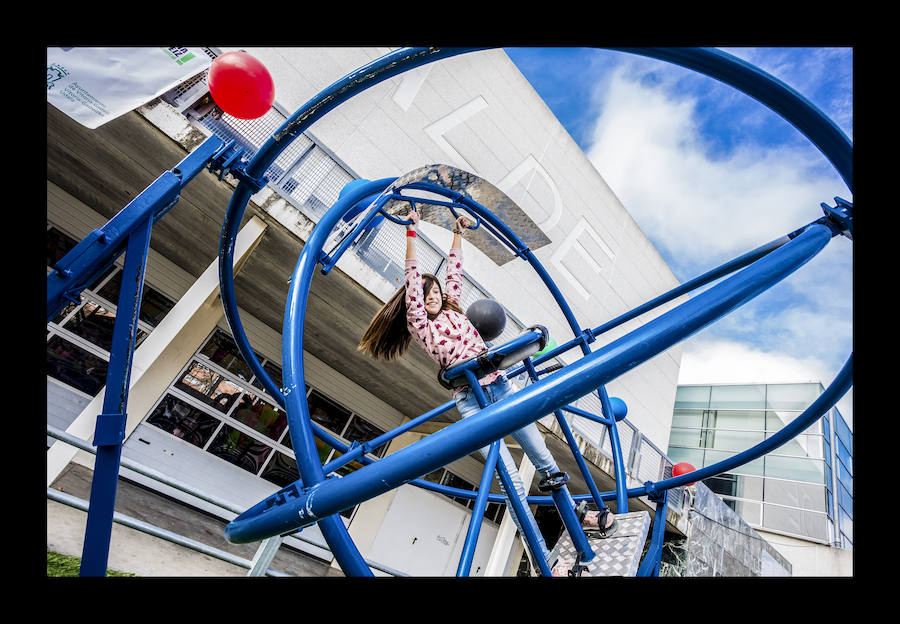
[
  {"x": 811, "y": 559},
  {"x": 476, "y": 111}
]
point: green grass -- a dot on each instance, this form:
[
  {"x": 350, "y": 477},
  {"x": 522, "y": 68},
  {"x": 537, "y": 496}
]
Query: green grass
[{"x": 65, "y": 565}]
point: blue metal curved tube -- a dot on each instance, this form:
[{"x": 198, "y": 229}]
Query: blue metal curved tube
[{"x": 499, "y": 420}]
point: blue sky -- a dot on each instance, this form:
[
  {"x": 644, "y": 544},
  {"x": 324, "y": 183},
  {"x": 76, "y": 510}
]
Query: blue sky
[{"x": 709, "y": 173}]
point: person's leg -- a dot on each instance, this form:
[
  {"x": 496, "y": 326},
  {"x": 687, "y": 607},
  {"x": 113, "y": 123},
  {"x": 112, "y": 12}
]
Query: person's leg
[{"x": 467, "y": 405}]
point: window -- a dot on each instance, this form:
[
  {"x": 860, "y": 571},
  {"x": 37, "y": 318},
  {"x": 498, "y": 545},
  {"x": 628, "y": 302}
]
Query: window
[
  {"x": 80, "y": 336},
  {"x": 691, "y": 397},
  {"x": 216, "y": 403}
]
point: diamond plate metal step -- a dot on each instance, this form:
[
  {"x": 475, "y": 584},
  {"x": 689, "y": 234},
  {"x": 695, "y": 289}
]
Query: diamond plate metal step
[{"x": 619, "y": 555}]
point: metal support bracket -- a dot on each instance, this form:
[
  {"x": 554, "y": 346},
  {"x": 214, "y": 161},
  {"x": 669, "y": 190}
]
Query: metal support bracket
[
  {"x": 109, "y": 430},
  {"x": 228, "y": 159},
  {"x": 840, "y": 216}
]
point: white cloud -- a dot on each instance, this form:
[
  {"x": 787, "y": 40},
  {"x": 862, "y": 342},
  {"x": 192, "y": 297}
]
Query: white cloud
[
  {"x": 702, "y": 211},
  {"x": 718, "y": 361},
  {"x": 648, "y": 148}
]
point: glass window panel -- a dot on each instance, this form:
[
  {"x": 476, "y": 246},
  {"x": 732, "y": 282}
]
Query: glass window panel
[
  {"x": 795, "y": 521},
  {"x": 845, "y": 499},
  {"x": 744, "y": 420},
  {"x": 750, "y": 487},
  {"x": 844, "y": 455},
  {"x": 725, "y": 484},
  {"x": 154, "y": 304},
  {"x": 845, "y": 522},
  {"x": 75, "y": 366},
  {"x": 348, "y": 467},
  {"x": 281, "y": 471},
  {"x": 791, "y": 396},
  {"x": 360, "y": 430},
  {"x": 94, "y": 323},
  {"x": 843, "y": 476},
  {"x": 685, "y": 437},
  {"x": 775, "y": 422},
  {"x": 796, "y": 494},
  {"x": 434, "y": 477},
  {"x": 750, "y": 511},
  {"x": 802, "y": 446},
  {"x": 494, "y": 512},
  {"x": 738, "y": 397},
  {"x": 843, "y": 431},
  {"x": 222, "y": 350},
  {"x": 58, "y": 245},
  {"x": 796, "y": 468},
  {"x": 256, "y": 413},
  {"x": 692, "y": 456},
  {"x": 738, "y": 485},
  {"x": 687, "y": 418},
  {"x": 711, "y": 457},
  {"x": 324, "y": 450},
  {"x": 183, "y": 420},
  {"x": 451, "y": 480},
  {"x": 274, "y": 372},
  {"x": 327, "y": 413},
  {"x": 202, "y": 383},
  {"x": 65, "y": 312},
  {"x": 692, "y": 397},
  {"x": 733, "y": 440},
  {"x": 240, "y": 449}
]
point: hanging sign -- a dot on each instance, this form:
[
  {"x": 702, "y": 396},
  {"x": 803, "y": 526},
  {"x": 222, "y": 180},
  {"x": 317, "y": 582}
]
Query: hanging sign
[{"x": 95, "y": 85}]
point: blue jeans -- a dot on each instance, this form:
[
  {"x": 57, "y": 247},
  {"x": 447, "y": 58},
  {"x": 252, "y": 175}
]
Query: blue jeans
[{"x": 528, "y": 437}]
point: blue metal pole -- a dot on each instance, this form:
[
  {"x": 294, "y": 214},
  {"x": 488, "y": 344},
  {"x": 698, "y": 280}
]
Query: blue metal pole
[
  {"x": 572, "y": 382},
  {"x": 519, "y": 509},
  {"x": 616, "y": 446},
  {"x": 565, "y": 505},
  {"x": 110, "y": 428},
  {"x": 690, "y": 285},
  {"x": 484, "y": 488},
  {"x": 573, "y": 445},
  {"x": 650, "y": 565}
]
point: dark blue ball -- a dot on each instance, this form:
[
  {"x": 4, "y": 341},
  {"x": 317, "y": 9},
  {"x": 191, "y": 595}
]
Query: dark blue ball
[{"x": 488, "y": 317}]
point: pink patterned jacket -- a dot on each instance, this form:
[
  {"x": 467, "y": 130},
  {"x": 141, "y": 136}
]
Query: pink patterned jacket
[{"x": 450, "y": 336}]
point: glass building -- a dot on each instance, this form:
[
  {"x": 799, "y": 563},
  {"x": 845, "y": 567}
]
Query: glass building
[{"x": 802, "y": 489}]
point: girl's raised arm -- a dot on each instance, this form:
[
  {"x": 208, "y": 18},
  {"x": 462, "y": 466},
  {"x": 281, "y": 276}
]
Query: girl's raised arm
[{"x": 453, "y": 283}]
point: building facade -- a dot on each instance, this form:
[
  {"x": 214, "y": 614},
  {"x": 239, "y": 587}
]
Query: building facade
[
  {"x": 801, "y": 494},
  {"x": 196, "y": 411}
]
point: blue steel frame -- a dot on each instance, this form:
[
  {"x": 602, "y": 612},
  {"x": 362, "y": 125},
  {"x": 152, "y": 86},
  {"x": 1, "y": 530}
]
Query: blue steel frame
[{"x": 321, "y": 499}]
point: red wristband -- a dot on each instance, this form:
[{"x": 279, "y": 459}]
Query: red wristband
[{"x": 410, "y": 232}]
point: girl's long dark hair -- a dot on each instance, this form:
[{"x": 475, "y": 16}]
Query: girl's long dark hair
[{"x": 387, "y": 336}]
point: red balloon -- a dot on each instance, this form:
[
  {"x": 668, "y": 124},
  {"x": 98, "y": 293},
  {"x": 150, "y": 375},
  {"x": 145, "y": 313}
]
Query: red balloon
[
  {"x": 682, "y": 468},
  {"x": 241, "y": 85}
]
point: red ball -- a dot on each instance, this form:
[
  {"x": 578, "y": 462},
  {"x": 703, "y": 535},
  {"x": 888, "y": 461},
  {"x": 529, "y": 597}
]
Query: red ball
[
  {"x": 682, "y": 468},
  {"x": 241, "y": 85}
]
